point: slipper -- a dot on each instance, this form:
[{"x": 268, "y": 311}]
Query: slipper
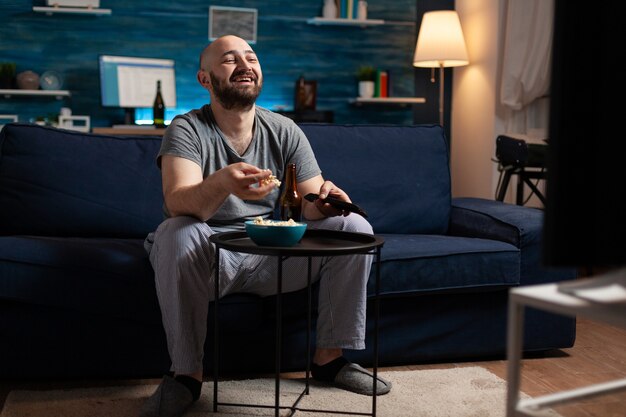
[
  {"x": 170, "y": 399},
  {"x": 353, "y": 377}
]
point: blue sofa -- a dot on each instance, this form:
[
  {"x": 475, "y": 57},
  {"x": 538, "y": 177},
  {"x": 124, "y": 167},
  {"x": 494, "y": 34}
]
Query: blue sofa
[{"x": 77, "y": 296}]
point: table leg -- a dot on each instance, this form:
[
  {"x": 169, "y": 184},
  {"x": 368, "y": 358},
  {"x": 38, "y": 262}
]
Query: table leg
[
  {"x": 515, "y": 335},
  {"x": 279, "y": 313},
  {"x": 216, "y": 359},
  {"x": 376, "y": 316},
  {"x": 308, "y": 327}
]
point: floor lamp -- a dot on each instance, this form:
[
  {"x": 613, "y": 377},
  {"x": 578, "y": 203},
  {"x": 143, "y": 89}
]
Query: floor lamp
[{"x": 440, "y": 44}]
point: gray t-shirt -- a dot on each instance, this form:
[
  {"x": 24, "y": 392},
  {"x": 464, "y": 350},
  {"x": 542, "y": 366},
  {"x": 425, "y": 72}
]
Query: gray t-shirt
[{"x": 276, "y": 142}]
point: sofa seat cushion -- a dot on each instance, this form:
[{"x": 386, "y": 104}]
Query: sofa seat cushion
[
  {"x": 109, "y": 276},
  {"x": 427, "y": 263},
  {"x": 104, "y": 276}
]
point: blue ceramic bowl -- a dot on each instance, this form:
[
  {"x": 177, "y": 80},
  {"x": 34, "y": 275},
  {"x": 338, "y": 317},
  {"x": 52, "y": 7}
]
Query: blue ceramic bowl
[{"x": 274, "y": 235}]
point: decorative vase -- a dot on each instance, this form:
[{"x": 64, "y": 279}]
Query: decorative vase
[
  {"x": 366, "y": 89},
  {"x": 330, "y": 9},
  {"x": 27, "y": 80},
  {"x": 361, "y": 13}
]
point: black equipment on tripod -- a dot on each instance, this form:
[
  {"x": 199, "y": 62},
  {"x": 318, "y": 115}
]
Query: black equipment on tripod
[{"x": 515, "y": 157}]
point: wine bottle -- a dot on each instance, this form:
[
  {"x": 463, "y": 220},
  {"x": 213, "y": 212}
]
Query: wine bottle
[
  {"x": 291, "y": 200},
  {"x": 158, "y": 108}
]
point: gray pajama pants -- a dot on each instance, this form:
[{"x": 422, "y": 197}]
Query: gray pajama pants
[{"x": 183, "y": 260}]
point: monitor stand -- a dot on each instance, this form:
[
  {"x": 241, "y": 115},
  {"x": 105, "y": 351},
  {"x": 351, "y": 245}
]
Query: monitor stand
[{"x": 129, "y": 116}]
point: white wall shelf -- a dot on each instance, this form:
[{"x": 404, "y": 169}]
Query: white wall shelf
[
  {"x": 71, "y": 10},
  {"x": 51, "y": 93},
  {"x": 344, "y": 22},
  {"x": 388, "y": 100}
]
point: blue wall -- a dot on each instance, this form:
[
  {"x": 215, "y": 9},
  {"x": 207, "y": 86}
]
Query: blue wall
[{"x": 287, "y": 47}]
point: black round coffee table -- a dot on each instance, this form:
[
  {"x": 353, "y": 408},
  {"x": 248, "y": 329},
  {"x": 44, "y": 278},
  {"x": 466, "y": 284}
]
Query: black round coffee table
[{"x": 315, "y": 242}]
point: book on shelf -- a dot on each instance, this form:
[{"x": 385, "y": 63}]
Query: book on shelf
[
  {"x": 347, "y": 9},
  {"x": 384, "y": 85},
  {"x": 381, "y": 84}
]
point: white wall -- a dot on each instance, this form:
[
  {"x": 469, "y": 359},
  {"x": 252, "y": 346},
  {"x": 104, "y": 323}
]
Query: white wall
[{"x": 475, "y": 123}]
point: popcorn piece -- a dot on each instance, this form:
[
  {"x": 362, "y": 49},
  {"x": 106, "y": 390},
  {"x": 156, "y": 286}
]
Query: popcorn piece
[
  {"x": 263, "y": 222},
  {"x": 271, "y": 179}
]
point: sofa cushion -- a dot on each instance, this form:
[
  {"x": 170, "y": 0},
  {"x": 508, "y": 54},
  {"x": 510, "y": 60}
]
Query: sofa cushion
[
  {"x": 105, "y": 276},
  {"x": 102, "y": 276},
  {"x": 376, "y": 166},
  {"x": 428, "y": 263},
  {"x": 57, "y": 182}
]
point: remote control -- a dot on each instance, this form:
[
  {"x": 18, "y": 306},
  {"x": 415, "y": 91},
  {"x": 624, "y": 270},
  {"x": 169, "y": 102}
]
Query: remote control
[{"x": 342, "y": 205}]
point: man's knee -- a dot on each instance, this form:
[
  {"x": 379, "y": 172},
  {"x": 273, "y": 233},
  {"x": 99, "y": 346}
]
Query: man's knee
[
  {"x": 181, "y": 227},
  {"x": 350, "y": 223},
  {"x": 182, "y": 248},
  {"x": 355, "y": 223},
  {"x": 359, "y": 224},
  {"x": 181, "y": 236}
]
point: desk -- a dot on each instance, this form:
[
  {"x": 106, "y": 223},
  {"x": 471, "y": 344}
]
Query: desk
[
  {"x": 548, "y": 297},
  {"x": 309, "y": 116},
  {"x": 128, "y": 131},
  {"x": 314, "y": 243}
]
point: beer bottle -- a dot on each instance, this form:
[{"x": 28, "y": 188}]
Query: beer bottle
[
  {"x": 290, "y": 200},
  {"x": 158, "y": 108}
]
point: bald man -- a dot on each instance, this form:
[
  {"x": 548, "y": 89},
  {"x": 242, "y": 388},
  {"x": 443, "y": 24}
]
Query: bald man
[{"x": 213, "y": 162}]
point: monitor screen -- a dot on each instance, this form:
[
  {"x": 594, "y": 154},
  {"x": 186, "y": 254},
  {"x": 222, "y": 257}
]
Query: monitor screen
[
  {"x": 130, "y": 82},
  {"x": 586, "y": 196}
]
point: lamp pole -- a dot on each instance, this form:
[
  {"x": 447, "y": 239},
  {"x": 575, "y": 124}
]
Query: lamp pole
[{"x": 441, "y": 85}]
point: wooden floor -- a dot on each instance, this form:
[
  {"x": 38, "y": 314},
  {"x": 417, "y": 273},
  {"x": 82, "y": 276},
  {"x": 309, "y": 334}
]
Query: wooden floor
[{"x": 598, "y": 355}]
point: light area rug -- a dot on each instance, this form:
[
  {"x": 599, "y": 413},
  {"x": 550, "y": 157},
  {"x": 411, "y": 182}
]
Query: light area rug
[{"x": 454, "y": 392}]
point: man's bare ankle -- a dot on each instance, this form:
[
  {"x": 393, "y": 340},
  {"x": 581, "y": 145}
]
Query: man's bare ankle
[{"x": 323, "y": 356}]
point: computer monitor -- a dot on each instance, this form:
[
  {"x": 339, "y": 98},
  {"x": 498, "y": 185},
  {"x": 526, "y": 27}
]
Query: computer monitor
[
  {"x": 130, "y": 82},
  {"x": 585, "y": 222}
]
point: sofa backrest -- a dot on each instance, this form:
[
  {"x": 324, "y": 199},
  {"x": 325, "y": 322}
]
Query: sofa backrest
[
  {"x": 398, "y": 174},
  {"x": 65, "y": 183}
]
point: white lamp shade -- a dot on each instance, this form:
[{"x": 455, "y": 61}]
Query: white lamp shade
[{"x": 440, "y": 41}]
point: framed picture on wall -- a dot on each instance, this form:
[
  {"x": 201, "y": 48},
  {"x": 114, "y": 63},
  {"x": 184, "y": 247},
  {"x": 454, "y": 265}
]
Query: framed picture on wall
[
  {"x": 306, "y": 95},
  {"x": 238, "y": 21}
]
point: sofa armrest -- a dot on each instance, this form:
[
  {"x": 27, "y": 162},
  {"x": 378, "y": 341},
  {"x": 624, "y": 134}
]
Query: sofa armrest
[
  {"x": 518, "y": 225},
  {"x": 489, "y": 219}
]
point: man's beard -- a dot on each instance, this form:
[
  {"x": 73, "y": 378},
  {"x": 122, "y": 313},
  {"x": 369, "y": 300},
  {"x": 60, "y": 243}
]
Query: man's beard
[{"x": 231, "y": 97}]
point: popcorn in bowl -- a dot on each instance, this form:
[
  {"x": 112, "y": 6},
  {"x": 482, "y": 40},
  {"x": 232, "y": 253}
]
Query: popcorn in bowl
[
  {"x": 267, "y": 222},
  {"x": 265, "y": 232}
]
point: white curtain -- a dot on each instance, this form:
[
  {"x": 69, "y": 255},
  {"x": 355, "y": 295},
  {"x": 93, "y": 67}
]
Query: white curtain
[{"x": 525, "y": 83}]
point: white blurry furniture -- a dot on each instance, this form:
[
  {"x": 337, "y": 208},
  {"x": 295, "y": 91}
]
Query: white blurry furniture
[{"x": 601, "y": 298}]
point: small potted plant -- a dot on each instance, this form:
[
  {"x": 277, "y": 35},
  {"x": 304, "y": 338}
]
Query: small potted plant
[
  {"x": 366, "y": 76},
  {"x": 7, "y": 74}
]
